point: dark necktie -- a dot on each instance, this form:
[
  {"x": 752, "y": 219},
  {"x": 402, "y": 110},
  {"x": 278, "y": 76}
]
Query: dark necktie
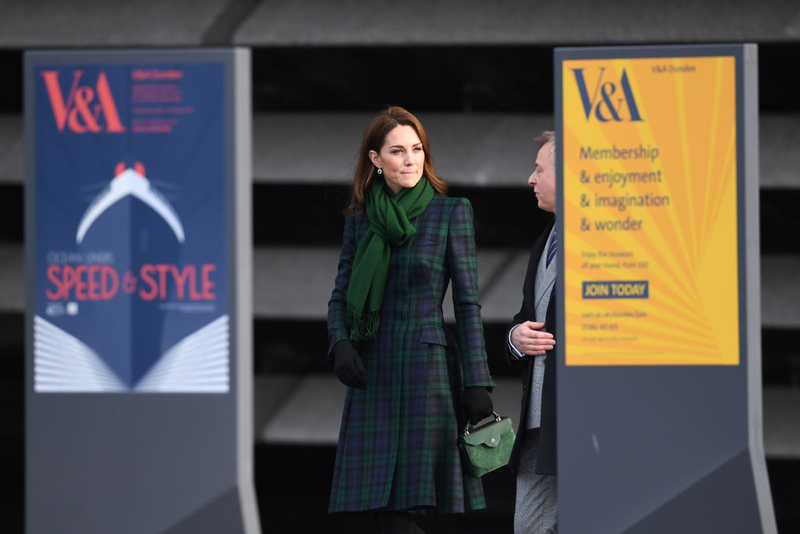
[{"x": 551, "y": 252}]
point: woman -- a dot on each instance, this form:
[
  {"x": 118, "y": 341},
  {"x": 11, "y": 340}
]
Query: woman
[{"x": 403, "y": 243}]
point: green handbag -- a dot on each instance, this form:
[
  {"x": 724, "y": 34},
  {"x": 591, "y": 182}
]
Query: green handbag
[{"x": 487, "y": 447}]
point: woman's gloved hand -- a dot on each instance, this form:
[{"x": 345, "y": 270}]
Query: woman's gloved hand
[
  {"x": 348, "y": 366},
  {"x": 476, "y": 404}
]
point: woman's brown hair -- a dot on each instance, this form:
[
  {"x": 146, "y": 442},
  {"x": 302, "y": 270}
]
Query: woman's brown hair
[{"x": 380, "y": 126}]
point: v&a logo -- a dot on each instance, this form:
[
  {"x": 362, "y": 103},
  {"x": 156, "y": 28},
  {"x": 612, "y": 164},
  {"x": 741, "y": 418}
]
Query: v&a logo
[
  {"x": 79, "y": 111},
  {"x": 609, "y": 101}
]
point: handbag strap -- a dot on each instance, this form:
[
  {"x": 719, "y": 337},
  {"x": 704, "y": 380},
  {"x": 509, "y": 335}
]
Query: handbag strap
[{"x": 497, "y": 419}]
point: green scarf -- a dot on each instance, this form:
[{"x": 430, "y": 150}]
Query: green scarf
[{"x": 389, "y": 224}]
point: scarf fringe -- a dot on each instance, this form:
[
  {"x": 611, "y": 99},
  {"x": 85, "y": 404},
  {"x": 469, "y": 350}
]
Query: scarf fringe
[{"x": 363, "y": 326}]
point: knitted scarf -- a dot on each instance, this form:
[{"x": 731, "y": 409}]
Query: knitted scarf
[{"x": 389, "y": 224}]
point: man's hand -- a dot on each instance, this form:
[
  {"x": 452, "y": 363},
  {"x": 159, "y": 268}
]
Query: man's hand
[{"x": 529, "y": 339}]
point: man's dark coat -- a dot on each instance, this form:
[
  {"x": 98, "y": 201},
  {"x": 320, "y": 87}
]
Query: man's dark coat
[{"x": 546, "y": 459}]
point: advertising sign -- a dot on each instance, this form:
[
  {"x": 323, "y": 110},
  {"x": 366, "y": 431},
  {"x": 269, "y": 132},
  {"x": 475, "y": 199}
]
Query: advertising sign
[
  {"x": 659, "y": 370},
  {"x": 138, "y": 297},
  {"x": 130, "y": 274},
  {"x": 650, "y": 211}
]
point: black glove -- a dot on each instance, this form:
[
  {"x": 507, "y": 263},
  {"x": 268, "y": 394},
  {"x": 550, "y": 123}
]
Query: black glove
[
  {"x": 348, "y": 366},
  {"x": 476, "y": 404}
]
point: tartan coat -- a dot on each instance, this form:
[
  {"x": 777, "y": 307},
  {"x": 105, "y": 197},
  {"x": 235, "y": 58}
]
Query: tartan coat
[{"x": 398, "y": 438}]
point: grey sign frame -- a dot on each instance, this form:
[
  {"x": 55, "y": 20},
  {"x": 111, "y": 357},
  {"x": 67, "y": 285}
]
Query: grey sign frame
[
  {"x": 664, "y": 449},
  {"x": 177, "y": 463}
]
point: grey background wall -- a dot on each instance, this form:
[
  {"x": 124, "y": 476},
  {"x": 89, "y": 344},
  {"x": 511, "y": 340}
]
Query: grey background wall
[{"x": 479, "y": 75}]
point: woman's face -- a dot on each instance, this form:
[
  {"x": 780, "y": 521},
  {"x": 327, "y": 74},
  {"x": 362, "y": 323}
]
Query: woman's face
[{"x": 401, "y": 158}]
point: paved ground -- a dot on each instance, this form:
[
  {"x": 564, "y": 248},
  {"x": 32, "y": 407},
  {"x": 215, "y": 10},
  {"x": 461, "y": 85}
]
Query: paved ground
[{"x": 292, "y": 484}]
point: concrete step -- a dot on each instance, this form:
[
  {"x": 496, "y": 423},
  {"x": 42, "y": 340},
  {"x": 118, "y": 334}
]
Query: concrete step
[
  {"x": 479, "y": 150},
  {"x": 352, "y": 23},
  {"x": 321, "y": 23},
  {"x": 310, "y": 410},
  {"x": 296, "y": 283},
  {"x": 94, "y": 23}
]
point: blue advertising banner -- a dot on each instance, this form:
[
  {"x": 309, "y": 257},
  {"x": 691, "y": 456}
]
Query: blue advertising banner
[
  {"x": 138, "y": 375},
  {"x": 130, "y": 256}
]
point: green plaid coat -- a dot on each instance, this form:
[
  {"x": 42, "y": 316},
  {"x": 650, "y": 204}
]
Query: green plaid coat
[{"x": 398, "y": 439}]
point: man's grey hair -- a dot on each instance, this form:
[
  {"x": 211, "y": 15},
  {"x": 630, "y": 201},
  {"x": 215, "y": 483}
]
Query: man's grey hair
[{"x": 548, "y": 136}]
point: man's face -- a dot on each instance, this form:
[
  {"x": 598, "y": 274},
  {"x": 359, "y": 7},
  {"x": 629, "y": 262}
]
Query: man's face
[{"x": 543, "y": 180}]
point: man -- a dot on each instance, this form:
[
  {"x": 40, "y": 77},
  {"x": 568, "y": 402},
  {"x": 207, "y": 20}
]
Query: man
[{"x": 531, "y": 338}]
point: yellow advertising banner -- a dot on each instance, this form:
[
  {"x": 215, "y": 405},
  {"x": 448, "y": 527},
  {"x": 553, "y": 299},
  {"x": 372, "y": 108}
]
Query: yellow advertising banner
[{"x": 650, "y": 211}]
